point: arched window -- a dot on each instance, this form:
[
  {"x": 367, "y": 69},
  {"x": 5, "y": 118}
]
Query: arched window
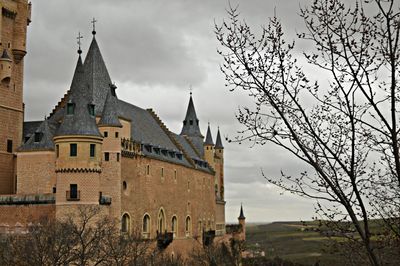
[
  {"x": 188, "y": 226},
  {"x": 146, "y": 226},
  {"x": 161, "y": 222},
  {"x": 125, "y": 223},
  {"x": 174, "y": 226}
]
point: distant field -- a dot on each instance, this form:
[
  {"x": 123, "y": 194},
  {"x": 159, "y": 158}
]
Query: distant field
[{"x": 290, "y": 241}]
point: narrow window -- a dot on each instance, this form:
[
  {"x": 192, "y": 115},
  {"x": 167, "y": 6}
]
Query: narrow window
[
  {"x": 70, "y": 108},
  {"x": 187, "y": 226},
  {"x": 54, "y": 189},
  {"x": 148, "y": 170},
  {"x": 9, "y": 145},
  {"x": 73, "y": 149},
  {"x": 73, "y": 192},
  {"x": 117, "y": 157},
  {"x": 175, "y": 176},
  {"x": 174, "y": 225},
  {"x": 184, "y": 123},
  {"x": 191, "y": 122},
  {"x": 106, "y": 156},
  {"x": 146, "y": 226},
  {"x": 124, "y": 185},
  {"x": 105, "y": 134},
  {"x": 91, "y": 109},
  {"x": 92, "y": 150},
  {"x": 125, "y": 223},
  {"x": 57, "y": 150},
  {"x": 116, "y": 134},
  {"x": 162, "y": 171},
  {"x": 161, "y": 219}
]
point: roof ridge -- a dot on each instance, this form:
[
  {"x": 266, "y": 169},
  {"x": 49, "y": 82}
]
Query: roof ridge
[
  {"x": 192, "y": 145},
  {"x": 168, "y": 132},
  {"x": 60, "y": 104}
]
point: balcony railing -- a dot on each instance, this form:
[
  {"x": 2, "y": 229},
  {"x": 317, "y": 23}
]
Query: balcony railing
[
  {"x": 74, "y": 196},
  {"x": 164, "y": 239}
]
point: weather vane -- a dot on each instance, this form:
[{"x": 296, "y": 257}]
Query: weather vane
[
  {"x": 94, "y": 26},
  {"x": 79, "y": 42}
]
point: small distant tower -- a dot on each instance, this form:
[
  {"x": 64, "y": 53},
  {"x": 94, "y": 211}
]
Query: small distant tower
[
  {"x": 219, "y": 154},
  {"x": 242, "y": 223},
  {"x": 209, "y": 148}
]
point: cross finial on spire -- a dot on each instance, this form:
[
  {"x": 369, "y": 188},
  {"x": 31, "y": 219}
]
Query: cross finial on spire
[
  {"x": 94, "y": 26},
  {"x": 79, "y": 42}
]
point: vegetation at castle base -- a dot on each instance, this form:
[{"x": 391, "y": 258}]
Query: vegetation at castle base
[
  {"x": 87, "y": 237},
  {"x": 307, "y": 243},
  {"x": 344, "y": 127}
]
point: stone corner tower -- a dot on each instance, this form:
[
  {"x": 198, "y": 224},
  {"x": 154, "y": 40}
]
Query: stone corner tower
[{"x": 15, "y": 16}]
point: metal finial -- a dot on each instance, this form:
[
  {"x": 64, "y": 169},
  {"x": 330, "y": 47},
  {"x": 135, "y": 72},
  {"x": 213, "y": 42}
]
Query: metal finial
[
  {"x": 191, "y": 90},
  {"x": 94, "y": 26},
  {"x": 79, "y": 42}
]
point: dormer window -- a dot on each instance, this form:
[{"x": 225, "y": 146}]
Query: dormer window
[
  {"x": 38, "y": 136},
  {"x": 191, "y": 122},
  {"x": 197, "y": 122},
  {"x": 70, "y": 108},
  {"x": 184, "y": 123},
  {"x": 91, "y": 109}
]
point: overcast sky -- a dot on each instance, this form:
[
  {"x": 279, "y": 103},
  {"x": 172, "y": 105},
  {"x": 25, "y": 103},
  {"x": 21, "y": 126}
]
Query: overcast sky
[{"x": 154, "y": 51}]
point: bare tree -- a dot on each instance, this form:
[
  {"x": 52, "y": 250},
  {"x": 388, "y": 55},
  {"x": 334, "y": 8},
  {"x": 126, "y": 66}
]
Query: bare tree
[{"x": 347, "y": 131}]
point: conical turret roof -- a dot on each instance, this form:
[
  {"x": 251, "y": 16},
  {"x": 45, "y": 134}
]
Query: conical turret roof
[
  {"x": 97, "y": 75},
  {"x": 191, "y": 123},
  {"x": 80, "y": 121},
  {"x": 110, "y": 110},
  {"x": 209, "y": 140},
  {"x": 241, "y": 216},
  {"x": 218, "y": 143}
]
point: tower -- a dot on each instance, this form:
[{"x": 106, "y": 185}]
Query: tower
[
  {"x": 78, "y": 148},
  {"x": 209, "y": 148},
  {"x": 14, "y": 18},
  {"x": 110, "y": 127},
  {"x": 219, "y": 158},
  {"x": 242, "y": 223},
  {"x": 191, "y": 127}
]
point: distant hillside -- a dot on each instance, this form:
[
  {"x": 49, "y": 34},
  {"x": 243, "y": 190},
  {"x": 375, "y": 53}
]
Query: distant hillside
[{"x": 298, "y": 242}]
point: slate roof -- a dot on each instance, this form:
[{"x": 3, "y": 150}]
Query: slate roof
[
  {"x": 109, "y": 116},
  {"x": 91, "y": 84},
  {"x": 80, "y": 122},
  {"x": 209, "y": 140},
  {"x": 46, "y": 132},
  {"x": 218, "y": 143},
  {"x": 30, "y": 127},
  {"x": 241, "y": 216},
  {"x": 97, "y": 75},
  {"x": 5, "y": 55}
]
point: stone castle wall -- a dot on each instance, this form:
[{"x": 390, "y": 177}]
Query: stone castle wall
[{"x": 14, "y": 17}]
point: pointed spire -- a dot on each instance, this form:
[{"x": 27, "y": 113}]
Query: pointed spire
[
  {"x": 191, "y": 123},
  {"x": 97, "y": 75},
  {"x": 209, "y": 140},
  {"x": 241, "y": 216},
  {"x": 78, "y": 112},
  {"x": 218, "y": 143},
  {"x": 110, "y": 113}
]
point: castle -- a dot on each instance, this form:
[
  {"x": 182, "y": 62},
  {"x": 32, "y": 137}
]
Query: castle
[{"x": 95, "y": 149}]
